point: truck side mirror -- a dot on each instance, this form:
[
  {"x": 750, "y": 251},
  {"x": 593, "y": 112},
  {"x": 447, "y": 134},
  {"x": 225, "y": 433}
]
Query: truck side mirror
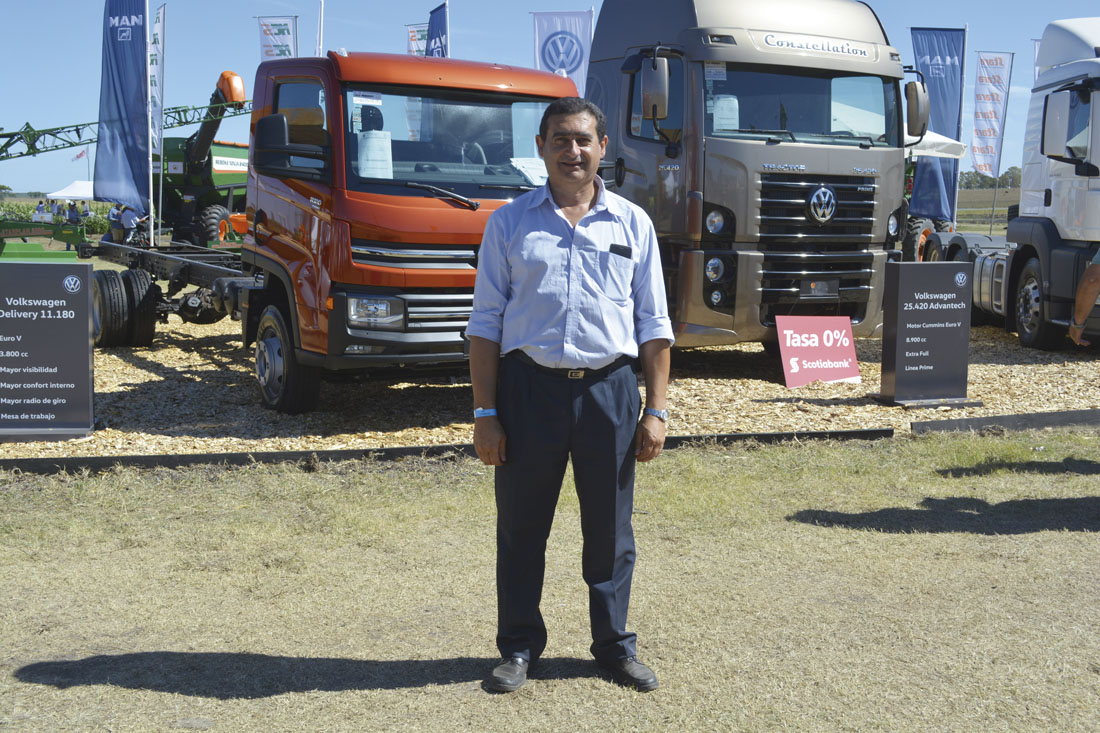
[
  {"x": 654, "y": 88},
  {"x": 274, "y": 155},
  {"x": 269, "y": 148},
  {"x": 1056, "y": 125},
  {"x": 916, "y": 108}
]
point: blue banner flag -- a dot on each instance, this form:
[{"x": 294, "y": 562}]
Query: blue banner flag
[
  {"x": 122, "y": 154},
  {"x": 437, "y": 33},
  {"x": 940, "y": 53}
]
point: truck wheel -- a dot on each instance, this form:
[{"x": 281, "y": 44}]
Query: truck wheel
[
  {"x": 142, "y": 295},
  {"x": 110, "y": 309},
  {"x": 916, "y": 231},
  {"x": 213, "y": 225},
  {"x": 285, "y": 385},
  {"x": 1032, "y": 325}
]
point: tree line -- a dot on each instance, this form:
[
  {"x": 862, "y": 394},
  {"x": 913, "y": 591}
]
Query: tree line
[{"x": 973, "y": 179}]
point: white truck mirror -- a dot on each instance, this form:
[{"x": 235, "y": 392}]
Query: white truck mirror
[
  {"x": 916, "y": 108},
  {"x": 654, "y": 88},
  {"x": 1056, "y": 124}
]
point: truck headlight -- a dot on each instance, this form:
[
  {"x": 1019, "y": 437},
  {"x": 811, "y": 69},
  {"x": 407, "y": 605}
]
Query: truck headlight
[
  {"x": 715, "y": 222},
  {"x": 715, "y": 269},
  {"x": 715, "y": 297},
  {"x": 376, "y": 312},
  {"x": 892, "y": 225}
]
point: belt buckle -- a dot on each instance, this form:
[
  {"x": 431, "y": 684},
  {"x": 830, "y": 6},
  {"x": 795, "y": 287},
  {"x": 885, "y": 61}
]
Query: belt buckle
[{"x": 575, "y": 374}]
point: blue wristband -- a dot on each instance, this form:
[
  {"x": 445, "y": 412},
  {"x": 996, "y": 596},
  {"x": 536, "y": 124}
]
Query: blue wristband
[{"x": 484, "y": 412}]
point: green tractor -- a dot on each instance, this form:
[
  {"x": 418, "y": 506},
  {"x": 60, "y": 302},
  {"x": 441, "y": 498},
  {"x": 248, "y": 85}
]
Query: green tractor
[{"x": 205, "y": 180}]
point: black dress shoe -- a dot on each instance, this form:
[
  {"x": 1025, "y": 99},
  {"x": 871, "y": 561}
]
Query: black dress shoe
[
  {"x": 509, "y": 675},
  {"x": 632, "y": 673}
]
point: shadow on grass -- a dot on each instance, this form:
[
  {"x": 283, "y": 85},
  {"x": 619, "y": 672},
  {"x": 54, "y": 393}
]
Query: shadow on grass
[
  {"x": 1078, "y": 466},
  {"x": 973, "y": 516},
  {"x": 228, "y": 676}
]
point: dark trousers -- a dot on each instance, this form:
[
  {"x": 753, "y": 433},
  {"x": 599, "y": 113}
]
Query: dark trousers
[{"x": 547, "y": 419}]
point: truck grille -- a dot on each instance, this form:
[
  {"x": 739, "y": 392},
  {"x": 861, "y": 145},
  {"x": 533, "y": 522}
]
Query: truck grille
[
  {"x": 783, "y": 216},
  {"x": 798, "y": 249},
  {"x": 438, "y": 311},
  {"x": 413, "y": 256}
]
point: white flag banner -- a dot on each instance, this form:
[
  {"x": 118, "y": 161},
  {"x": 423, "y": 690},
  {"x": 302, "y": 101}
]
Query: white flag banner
[
  {"x": 278, "y": 37},
  {"x": 990, "y": 105},
  {"x": 156, "y": 81},
  {"x": 417, "y": 39},
  {"x": 562, "y": 44},
  {"x": 1035, "y": 43}
]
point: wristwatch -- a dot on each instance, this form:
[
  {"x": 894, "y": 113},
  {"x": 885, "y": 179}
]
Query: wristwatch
[
  {"x": 661, "y": 415},
  {"x": 1073, "y": 322}
]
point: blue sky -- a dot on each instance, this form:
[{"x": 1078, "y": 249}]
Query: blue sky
[{"x": 51, "y": 53}]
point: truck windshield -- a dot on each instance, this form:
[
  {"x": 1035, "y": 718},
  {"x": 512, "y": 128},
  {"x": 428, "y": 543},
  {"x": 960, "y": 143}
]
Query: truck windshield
[
  {"x": 475, "y": 145},
  {"x": 801, "y": 105}
]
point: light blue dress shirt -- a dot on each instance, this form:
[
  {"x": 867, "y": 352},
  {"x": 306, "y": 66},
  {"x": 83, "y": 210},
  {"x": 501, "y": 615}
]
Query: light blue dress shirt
[{"x": 571, "y": 298}]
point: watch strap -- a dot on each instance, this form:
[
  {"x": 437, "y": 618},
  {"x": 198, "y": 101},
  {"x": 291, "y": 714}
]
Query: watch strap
[
  {"x": 661, "y": 415},
  {"x": 484, "y": 412}
]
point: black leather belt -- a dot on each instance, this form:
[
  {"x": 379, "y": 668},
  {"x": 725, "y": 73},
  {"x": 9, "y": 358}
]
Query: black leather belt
[{"x": 571, "y": 373}]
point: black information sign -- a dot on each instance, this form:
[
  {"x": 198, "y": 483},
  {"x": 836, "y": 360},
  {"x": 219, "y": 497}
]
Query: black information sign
[
  {"x": 45, "y": 350},
  {"x": 926, "y": 333}
]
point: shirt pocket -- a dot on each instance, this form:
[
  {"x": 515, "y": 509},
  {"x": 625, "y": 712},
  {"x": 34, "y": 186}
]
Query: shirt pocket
[{"x": 616, "y": 275}]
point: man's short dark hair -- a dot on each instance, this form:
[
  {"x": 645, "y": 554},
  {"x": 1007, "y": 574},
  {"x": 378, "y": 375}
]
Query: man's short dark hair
[{"x": 573, "y": 106}]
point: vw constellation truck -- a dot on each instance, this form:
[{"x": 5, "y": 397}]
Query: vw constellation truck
[
  {"x": 1031, "y": 279},
  {"x": 765, "y": 140}
]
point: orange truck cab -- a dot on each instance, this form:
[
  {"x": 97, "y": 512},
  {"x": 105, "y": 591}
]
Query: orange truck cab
[{"x": 370, "y": 180}]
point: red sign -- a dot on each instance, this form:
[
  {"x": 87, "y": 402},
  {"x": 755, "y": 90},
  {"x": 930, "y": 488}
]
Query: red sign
[{"x": 817, "y": 348}]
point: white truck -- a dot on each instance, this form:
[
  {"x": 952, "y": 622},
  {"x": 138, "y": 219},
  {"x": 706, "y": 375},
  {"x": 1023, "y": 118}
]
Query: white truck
[
  {"x": 765, "y": 139},
  {"x": 1030, "y": 276}
]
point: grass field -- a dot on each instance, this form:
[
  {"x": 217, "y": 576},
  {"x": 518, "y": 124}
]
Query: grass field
[{"x": 929, "y": 583}]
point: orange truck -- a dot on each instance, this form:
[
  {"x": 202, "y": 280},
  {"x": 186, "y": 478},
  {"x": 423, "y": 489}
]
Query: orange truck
[{"x": 370, "y": 180}]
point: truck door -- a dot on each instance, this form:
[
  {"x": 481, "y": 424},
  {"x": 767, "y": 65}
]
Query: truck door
[
  {"x": 1070, "y": 191},
  {"x": 654, "y": 180},
  {"x": 295, "y": 219}
]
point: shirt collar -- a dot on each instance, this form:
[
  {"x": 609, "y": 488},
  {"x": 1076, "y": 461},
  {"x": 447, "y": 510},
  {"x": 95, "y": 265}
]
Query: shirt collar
[{"x": 542, "y": 196}]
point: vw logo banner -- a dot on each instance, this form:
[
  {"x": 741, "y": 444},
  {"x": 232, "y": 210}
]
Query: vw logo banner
[{"x": 562, "y": 44}]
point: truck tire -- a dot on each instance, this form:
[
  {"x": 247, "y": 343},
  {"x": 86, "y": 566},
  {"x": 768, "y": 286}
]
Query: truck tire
[
  {"x": 285, "y": 385},
  {"x": 933, "y": 250},
  {"x": 213, "y": 225},
  {"x": 1032, "y": 324},
  {"x": 110, "y": 309},
  {"x": 916, "y": 231},
  {"x": 142, "y": 295}
]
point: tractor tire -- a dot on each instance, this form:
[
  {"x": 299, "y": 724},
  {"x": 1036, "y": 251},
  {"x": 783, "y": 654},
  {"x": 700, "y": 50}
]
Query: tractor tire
[
  {"x": 110, "y": 309},
  {"x": 285, "y": 385},
  {"x": 942, "y": 225},
  {"x": 213, "y": 225},
  {"x": 142, "y": 295},
  {"x": 1032, "y": 324},
  {"x": 916, "y": 232}
]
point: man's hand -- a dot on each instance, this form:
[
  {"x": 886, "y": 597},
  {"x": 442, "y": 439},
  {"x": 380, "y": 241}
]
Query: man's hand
[
  {"x": 489, "y": 440},
  {"x": 649, "y": 438}
]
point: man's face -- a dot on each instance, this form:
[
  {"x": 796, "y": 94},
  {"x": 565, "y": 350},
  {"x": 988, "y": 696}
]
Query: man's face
[{"x": 571, "y": 150}]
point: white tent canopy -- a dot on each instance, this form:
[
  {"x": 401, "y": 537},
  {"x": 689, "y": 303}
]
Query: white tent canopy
[{"x": 76, "y": 191}]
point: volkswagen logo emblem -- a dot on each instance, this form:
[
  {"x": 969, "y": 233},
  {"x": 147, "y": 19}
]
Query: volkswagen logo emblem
[
  {"x": 821, "y": 205},
  {"x": 562, "y": 51},
  {"x": 71, "y": 284}
]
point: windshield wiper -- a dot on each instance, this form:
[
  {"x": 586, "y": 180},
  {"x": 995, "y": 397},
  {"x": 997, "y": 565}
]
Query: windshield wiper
[
  {"x": 508, "y": 186},
  {"x": 864, "y": 140},
  {"x": 754, "y": 131},
  {"x": 474, "y": 205}
]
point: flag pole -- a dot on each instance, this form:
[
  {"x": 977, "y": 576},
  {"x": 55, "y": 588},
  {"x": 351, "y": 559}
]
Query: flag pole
[
  {"x": 321, "y": 29},
  {"x": 149, "y": 122},
  {"x": 160, "y": 88}
]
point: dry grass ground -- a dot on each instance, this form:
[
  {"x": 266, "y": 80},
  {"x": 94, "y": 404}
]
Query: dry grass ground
[{"x": 920, "y": 583}]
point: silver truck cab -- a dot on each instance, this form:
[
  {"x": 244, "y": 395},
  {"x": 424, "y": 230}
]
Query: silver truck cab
[{"x": 765, "y": 140}]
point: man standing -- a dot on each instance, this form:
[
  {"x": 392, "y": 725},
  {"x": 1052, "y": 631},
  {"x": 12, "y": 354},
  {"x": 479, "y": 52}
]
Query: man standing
[{"x": 569, "y": 290}]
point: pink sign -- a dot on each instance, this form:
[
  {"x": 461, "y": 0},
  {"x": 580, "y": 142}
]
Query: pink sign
[{"x": 817, "y": 348}]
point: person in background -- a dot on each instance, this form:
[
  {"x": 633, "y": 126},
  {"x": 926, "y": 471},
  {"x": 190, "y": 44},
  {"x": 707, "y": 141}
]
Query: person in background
[
  {"x": 85, "y": 210},
  {"x": 72, "y": 214},
  {"x": 128, "y": 218},
  {"x": 40, "y": 209},
  {"x": 1087, "y": 292},
  {"x": 55, "y": 208}
]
